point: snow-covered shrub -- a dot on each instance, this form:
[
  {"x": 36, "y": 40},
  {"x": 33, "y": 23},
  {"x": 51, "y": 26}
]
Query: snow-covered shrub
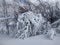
[
  {"x": 51, "y": 33},
  {"x": 58, "y": 30},
  {"x": 27, "y": 18},
  {"x": 3, "y": 28}
]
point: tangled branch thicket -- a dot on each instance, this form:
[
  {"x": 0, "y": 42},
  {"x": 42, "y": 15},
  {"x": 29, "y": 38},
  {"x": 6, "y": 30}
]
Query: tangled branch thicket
[{"x": 23, "y": 20}]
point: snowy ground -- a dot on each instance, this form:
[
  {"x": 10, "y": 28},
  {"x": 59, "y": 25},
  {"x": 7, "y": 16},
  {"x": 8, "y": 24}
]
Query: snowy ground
[{"x": 37, "y": 40}]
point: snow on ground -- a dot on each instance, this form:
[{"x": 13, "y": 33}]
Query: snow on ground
[{"x": 37, "y": 40}]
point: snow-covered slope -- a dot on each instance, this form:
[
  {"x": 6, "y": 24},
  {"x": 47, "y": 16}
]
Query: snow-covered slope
[{"x": 37, "y": 40}]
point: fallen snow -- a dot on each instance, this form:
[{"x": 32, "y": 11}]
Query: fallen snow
[{"x": 37, "y": 40}]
